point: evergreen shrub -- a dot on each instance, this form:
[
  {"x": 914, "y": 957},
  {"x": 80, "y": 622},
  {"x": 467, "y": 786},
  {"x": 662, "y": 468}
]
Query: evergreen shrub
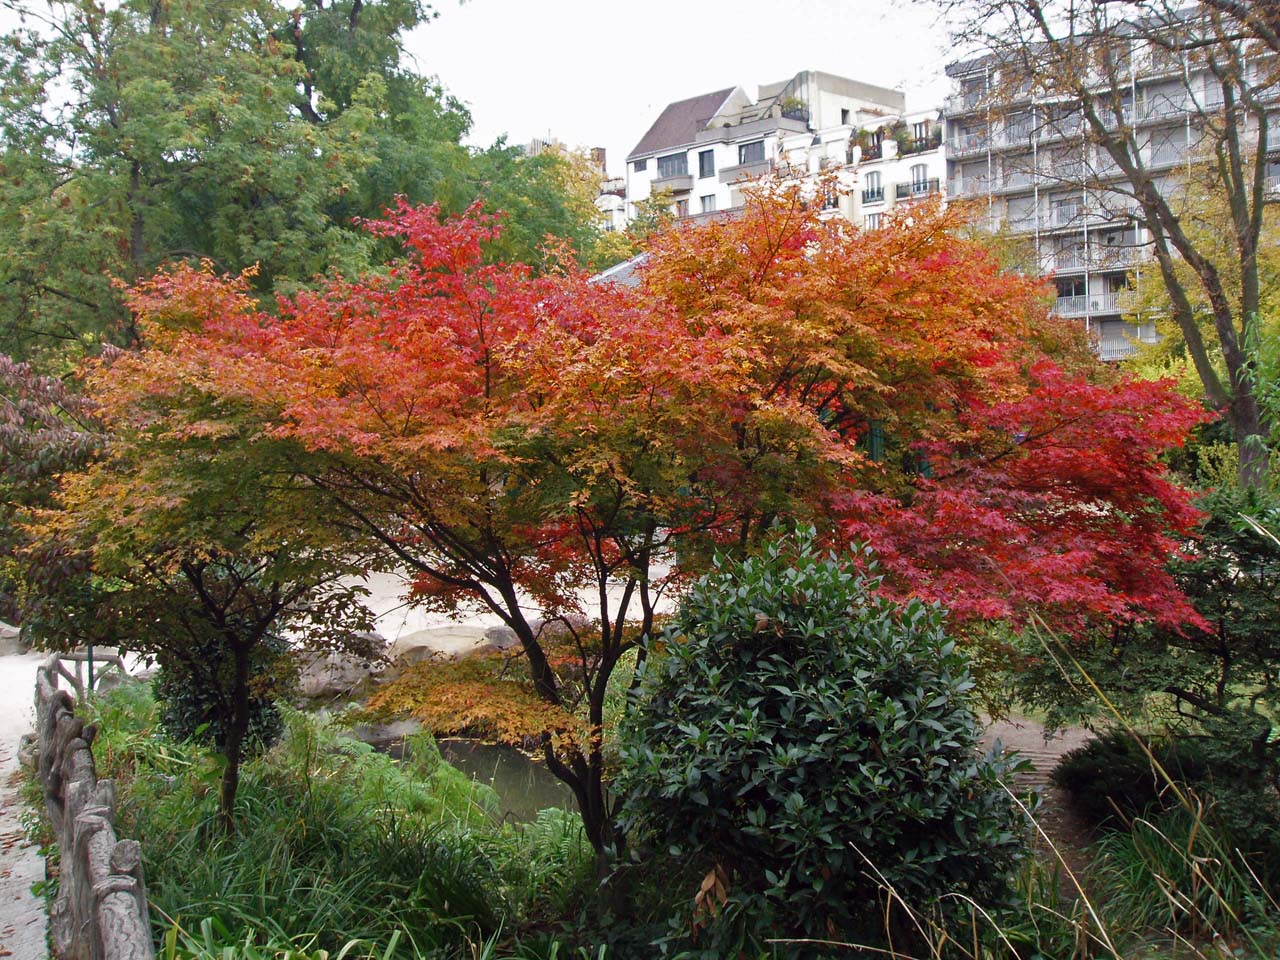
[{"x": 814, "y": 740}]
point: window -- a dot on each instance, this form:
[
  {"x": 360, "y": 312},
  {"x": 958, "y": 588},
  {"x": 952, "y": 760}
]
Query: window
[
  {"x": 872, "y": 221},
  {"x": 873, "y": 189},
  {"x": 640, "y": 166},
  {"x": 919, "y": 178},
  {"x": 682, "y": 208},
  {"x": 1071, "y": 287},
  {"x": 709, "y": 203},
  {"x": 751, "y": 152},
  {"x": 673, "y": 165},
  {"x": 706, "y": 164},
  {"x": 972, "y": 91},
  {"x": 844, "y": 117},
  {"x": 920, "y": 131}
]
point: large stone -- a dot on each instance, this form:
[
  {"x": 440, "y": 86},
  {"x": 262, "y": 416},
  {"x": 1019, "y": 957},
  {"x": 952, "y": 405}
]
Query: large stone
[
  {"x": 449, "y": 642},
  {"x": 330, "y": 675},
  {"x": 10, "y": 640}
]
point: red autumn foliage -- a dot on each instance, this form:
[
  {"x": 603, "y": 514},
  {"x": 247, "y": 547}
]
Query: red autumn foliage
[{"x": 551, "y": 443}]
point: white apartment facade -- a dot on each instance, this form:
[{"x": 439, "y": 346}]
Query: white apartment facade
[
  {"x": 1030, "y": 167},
  {"x": 697, "y": 154},
  {"x": 900, "y": 161}
]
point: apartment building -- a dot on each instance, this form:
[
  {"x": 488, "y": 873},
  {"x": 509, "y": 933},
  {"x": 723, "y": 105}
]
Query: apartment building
[
  {"x": 1030, "y": 163},
  {"x": 699, "y": 151},
  {"x": 900, "y": 160}
]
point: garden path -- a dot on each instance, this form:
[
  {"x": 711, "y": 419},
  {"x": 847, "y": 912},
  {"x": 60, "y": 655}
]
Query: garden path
[
  {"x": 23, "y": 919},
  {"x": 1067, "y": 834}
]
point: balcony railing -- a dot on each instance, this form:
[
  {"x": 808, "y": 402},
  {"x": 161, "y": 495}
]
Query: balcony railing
[
  {"x": 1161, "y": 107},
  {"x": 1165, "y": 156},
  {"x": 921, "y": 188},
  {"x": 1018, "y": 134},
  {"x": 1060, "y": 127},
  {"x": 1061, "y": 217},
  {"x": 1071, "y": 306},
  {"x": 1092, "y": 304},
  {"x": 962, "y": 103},
  {"x": 674, "y": 183},
  {"x": 1113, "y": 349},
  {"x": 969, "y": 143},
  {"x": 921, "y": 144},
  {"x": 1016, "y": 178},
  {"x": 874, "y": 195}
]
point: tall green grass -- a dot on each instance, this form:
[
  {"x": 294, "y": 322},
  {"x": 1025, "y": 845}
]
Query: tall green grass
[{"x": 337, "y": 848}]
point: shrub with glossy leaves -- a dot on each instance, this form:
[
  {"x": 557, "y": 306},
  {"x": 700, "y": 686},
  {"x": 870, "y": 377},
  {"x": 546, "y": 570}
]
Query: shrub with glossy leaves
[
  {"x": 195, "y": 700},
  {"x": 815, "y": 740}
]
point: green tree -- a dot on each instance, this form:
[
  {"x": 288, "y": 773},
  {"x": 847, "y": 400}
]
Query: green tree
[
  {"x": 1216, "y": 682},
  {"x": 244, "y": 133}
]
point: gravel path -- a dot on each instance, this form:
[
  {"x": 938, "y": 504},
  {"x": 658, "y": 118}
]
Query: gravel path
[{"x": 22, "y": 915}]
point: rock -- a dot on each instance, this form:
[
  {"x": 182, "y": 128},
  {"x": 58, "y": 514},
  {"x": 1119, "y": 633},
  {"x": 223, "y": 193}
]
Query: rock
[
  {"x": 501, "y": 638},
  {"x": 379, "y": 734},
  {"x": 449, "y": 642},
  {"x": 11, "y": 640},
  {"x": 329, "y": 675},
  {"x": 28, "y": 752},
  {"x": 558, "y": 628}
]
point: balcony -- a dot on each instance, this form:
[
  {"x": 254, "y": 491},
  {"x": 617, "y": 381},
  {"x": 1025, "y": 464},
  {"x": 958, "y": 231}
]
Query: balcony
[
  {"x": 963, "y": 143},
  {"x": 1015, "y": 179},
  {"x": 908, "y": 191},
  {"x": 1089, "y": 305},
  {"x": 1060, "y": 128},
  {"x": 1126, "y": 343},
  {"x": 962, "y": 103},
  {"x": 968, "y": 186},
  {"x": 1064, "y": 216},
  {"x": 676, "y": 183},
  {"x": 1017, "y": 135},
  {"x": 875, "y": 195},
  {"x": 921, "y": 144},
  {"x": 1165, "y": 156},
  {"x": 1162, "y": 107},
  {"x": 745, "y": 171},
  {"x": 1112, "y": 349}
]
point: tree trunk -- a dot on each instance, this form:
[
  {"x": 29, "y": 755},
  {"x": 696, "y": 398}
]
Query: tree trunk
[{"x": 233, "y": 746}]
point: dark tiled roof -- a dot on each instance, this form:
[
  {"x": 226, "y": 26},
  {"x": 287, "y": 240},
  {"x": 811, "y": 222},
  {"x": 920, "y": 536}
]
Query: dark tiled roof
[{"x": 678, "y": 123}]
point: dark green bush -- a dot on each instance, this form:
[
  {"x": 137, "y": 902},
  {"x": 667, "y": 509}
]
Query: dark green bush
[
  {"x": 194, "y": 698},
  {"x": 815, "y": 740},
  {"x": 1112, "y": 779}
]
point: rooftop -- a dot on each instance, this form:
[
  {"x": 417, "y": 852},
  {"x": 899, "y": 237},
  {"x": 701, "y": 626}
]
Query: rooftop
[{"x": 680, "y": 122}]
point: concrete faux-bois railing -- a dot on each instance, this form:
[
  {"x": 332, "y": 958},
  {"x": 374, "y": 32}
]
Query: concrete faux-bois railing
[{"x": 101, "y": 908}]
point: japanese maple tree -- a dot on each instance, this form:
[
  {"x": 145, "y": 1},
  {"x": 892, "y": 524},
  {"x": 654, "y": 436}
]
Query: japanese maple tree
[
  {"x": 200, "y": 541},
  {"x": 561, "y": 452}
]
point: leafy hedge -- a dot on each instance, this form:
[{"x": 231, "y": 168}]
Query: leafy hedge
[{"x": 814, "y": 740}]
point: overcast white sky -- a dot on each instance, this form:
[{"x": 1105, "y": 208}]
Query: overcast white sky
[{"x": 598, "y": 72}]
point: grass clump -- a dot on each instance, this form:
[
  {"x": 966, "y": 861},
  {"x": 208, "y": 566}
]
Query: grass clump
[{"x": 337, "y": 847}]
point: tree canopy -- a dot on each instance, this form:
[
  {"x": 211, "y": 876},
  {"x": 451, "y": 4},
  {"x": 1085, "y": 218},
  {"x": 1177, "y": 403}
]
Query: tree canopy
[
  {"x": 563, "y": 453},
  {"x": 134, "y": 135}
]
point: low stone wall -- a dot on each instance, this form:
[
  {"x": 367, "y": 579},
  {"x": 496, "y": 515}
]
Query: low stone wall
[{"x": 101, "y": 909}]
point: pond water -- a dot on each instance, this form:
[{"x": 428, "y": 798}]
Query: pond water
[{"x": 523, "y": 785}]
